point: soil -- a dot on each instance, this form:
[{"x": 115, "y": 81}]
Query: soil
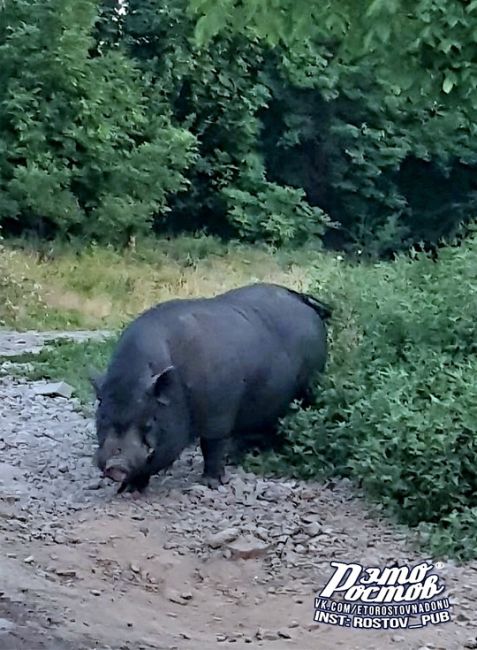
[{"x": 83, "y": 568}]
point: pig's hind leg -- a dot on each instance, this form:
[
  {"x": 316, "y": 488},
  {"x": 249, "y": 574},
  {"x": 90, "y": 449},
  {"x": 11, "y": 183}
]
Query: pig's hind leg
[{"x": 214, "y": 452}]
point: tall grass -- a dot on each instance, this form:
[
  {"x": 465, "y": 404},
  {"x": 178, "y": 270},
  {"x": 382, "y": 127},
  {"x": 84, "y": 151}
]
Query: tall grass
[{"x": 63, "y": 287}]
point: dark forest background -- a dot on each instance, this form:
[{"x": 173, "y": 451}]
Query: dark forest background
[{"x": 353, "y": 126}]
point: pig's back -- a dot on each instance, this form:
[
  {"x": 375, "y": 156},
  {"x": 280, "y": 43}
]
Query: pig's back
[{"x": 241, "y": 356}]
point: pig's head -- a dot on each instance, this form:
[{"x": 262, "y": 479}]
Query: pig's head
[{"x": 139, "y": 430}]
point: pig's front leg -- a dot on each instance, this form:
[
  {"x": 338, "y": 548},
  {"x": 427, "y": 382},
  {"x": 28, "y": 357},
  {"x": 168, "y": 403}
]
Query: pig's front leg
[{"x": 136, "y": 486}]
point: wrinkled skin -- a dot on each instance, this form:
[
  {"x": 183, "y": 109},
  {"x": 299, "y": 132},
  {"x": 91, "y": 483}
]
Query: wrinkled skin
[{"x": 218, "y": 369}]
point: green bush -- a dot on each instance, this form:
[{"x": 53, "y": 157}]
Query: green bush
[
  {"x": 276, "y": 214},
  {"x": 371, "y": 111},
  {"x": 389, "y": 170},
  {"x": 217, "y": 93},
  {"x": 82, "y": 149},
  {"x": 397, "y": 407},
  {"x": 116, "y": 120}
]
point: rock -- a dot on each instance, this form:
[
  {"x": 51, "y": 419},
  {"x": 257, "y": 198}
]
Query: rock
[
  {"x": 94, "y": 485},
  {"x": 397, "y": 638},
  {"x": 6, "y": 625},
  {"x": 174, "y": 597},
  {"x": 312, "y": 529},
  {"x": 266, "y": 635},
  {"x": 58, "y": 389},
  {"x": 262, "y": 533},
  {"x": 95, "y": 592},
  {"x": 248, "y": 547},
  {"x": 215, "y": 540},
  {"x": 29, "y": 559},
  {"x": 66, "y": 573},
  {"x": 283, "y": 634},
  {"x": 274, "y": 493}
]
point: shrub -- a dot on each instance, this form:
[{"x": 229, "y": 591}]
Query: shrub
[
  {"x": 273, "y": 213},
  {"x": 397, "y": 407},
  {"x": 82, "y": 148}
]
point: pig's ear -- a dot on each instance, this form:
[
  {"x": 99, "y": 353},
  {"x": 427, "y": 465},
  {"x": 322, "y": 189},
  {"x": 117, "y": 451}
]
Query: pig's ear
[
  {"x": 96, "y": 379},
  {"x": 160, "y": 383}
]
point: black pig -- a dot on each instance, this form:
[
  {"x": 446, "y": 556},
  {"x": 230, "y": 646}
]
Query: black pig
[{"x": 212, "y": 368}]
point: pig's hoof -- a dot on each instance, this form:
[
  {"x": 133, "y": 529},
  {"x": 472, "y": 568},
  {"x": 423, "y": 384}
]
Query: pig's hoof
[
  {"x": 137, "y": 484},
  {"x": 123, "y": 487},
  {"x": 214, "y": 482},
  {"x": 132, "y": 491}
]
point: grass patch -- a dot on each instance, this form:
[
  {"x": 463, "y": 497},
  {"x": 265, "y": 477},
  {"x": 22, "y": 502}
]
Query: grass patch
[{"x": 54, "y": 286}]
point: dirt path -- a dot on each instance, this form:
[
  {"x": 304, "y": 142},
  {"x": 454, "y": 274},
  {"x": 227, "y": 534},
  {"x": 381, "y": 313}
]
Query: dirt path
[{"x": 83, "y": 568}]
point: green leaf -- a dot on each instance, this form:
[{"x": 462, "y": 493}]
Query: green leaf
[{"x": 448, "y": 84}]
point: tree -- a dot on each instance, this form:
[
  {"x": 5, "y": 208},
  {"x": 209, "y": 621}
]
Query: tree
[
  {"x": 373, "y": 108},
  {"x": 423, "y": 46},
  {"x": 81, "y": 150},
  {"x": 217, "y": 93}
]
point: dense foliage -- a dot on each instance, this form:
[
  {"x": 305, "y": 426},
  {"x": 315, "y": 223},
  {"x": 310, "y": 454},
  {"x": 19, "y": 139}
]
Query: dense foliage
[
  {"x": 267, "y": 121},
  {"x": 81, "y": 148},
  {"x": 435, "y": 38},
  {"x": 397, "y": 406}
]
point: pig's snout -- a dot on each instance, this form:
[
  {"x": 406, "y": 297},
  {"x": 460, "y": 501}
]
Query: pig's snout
[{"x": 115, "y": 472}]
